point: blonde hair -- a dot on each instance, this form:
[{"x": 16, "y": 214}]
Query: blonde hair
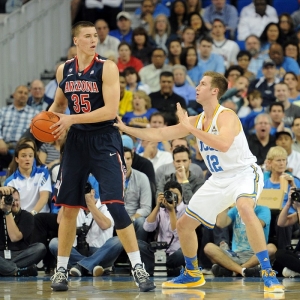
[
  {"x": 143, "y": 95},
  {"x": 218, "y": 81},
  {"x": 276, "y": 151}
]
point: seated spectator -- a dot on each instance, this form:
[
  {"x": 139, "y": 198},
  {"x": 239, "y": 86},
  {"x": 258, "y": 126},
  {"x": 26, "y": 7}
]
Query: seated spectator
[
  {"x": 285, "y": 140},
  {"x": 286, "y": 26},
  {"x": 188, "y": 181},
  {"x": 38, "y": 100},
  {"x": 207, "y": 60},
  {"x": 238, "y": 92},
  {"x": 134, "y": 82},
  {"x": 174, "y": 51},
  {"x": 291, "y": 49},
  {"x": 141, "y": 46},
  {"x": 50, "y": 88},
  {"x": 142, "y": 110},
  {"x": 288, "y": 259},
  {"x": 161, "y": 34},
  {"x": 90, "y": 253},
  {"x": 243, "y": 60},
  {"x": 124, "y": 31},
  {"x": 194, "y": 6},
  {"x": 291, "y": 80},
  {"x": 169, "y": 168},
  {"x": 125, "y": 97},
  {"x": 166, "y": 100},
  {"x": 159, "y": 9},
  {"x": 296, "y": 132},
  {"x": 226, "y": 48},
  {"x": 15, "y": 232},
  {"x": 276, "y": 112},
  {"x": 106, "y": 42},
  {"x": 277, "y": 165},
  {"x": 232, "y": 74},
  {"x": 178, "y": 16},
  {"x": 241, "y": 259},
  {"x": 282, "y": 95},
  {"x": 188, "y": 38},
  {"x": 270, "y": 35},
  {"x": 266, "y": 83},
  {"x": 150, "y": 74},
  {"x": 14, "y": 120},
  {"x": 219, "y": 9},
  {"x": 137, "y": 196},
  {"x": 163, "y": 218},
  {"x": 261, "y": 141},
  {"x": 189, "y": 59},
  {"x": 254, "y": 18},
  {"x": 283, "y": 64},
  {"x": 252, "y": 44},
  {"x": 126, "y": 59},
  {"x": 49, "y": 153},
  {"x": 249, "y": 112},
  {"x": 32, "y": 182},
  {"x": 145, "y": 18},
  {"x": 181, "y": 85},
  {"x": 196, "y": 22}
]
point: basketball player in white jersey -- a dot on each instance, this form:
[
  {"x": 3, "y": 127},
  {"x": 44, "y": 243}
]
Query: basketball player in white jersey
[{"x": 235, "y": 178}]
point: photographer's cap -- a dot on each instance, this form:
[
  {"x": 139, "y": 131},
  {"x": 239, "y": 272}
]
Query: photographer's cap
[
  {"x": 280, "y": 133},
  {"x": 127, "y": 141}
]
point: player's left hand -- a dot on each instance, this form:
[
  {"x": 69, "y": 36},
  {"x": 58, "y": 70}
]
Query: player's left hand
[
  {"x": 64, "y": 123},
  {"x": 183, "y": 117}
]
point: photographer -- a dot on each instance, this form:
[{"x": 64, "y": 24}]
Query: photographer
[
  {"x": 17, "y": 256},
  {"x": 94, "y": 229},
  {"x": 163, "y": 218},
  {"x": 290, "y": 259}
]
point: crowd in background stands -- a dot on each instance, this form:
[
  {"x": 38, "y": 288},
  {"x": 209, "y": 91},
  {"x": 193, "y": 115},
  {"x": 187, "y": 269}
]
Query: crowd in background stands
[{"x": 162, "y": 51}]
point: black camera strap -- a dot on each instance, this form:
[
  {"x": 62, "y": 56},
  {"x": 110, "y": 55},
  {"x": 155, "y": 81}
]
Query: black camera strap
[{"x": 5, "y": 232}]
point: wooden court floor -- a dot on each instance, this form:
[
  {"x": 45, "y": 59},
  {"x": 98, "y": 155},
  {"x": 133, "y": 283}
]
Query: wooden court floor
[{"x": 122, "y": 287}]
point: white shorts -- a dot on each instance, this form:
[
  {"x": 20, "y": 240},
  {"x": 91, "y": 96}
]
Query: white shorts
[{"x": 217, "y": 194}]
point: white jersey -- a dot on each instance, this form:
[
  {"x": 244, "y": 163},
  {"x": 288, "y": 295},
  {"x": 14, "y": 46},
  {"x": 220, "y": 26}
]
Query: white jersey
[{"x": 225, "y": 164}]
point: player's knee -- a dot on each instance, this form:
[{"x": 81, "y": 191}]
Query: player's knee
[
  {"x": 120, "y": 215},
  {"x": 209, "y": 247}
]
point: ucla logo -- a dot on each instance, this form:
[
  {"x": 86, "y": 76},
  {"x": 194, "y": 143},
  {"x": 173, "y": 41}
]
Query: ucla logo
[{"x": 204, "y": 147}]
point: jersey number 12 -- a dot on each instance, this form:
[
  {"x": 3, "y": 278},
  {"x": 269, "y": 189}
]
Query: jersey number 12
[{"x": 213, "y": 163}]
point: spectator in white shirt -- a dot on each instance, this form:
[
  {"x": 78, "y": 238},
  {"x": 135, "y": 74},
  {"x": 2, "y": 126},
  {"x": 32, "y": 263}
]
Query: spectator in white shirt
[
  {"x": 106, "y": 42},
  {"x": 254, "y": 18}
]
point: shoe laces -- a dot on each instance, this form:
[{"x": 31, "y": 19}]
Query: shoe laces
[
  {"x": 268, "y": 273},
  {"x": 141, "y": 274},
  {"x": 58, "y": 277},
  {"x": 193, "y": 273}
]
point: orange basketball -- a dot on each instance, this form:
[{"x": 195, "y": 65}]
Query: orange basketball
[{"x": 40, "y": 126}]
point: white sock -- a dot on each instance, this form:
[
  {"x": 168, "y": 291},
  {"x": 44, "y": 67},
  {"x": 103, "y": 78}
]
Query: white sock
[
  {"x": 62, "y": 261},
  {"x": 135, "y": 258},
  {"x": 243, "y": 269}
]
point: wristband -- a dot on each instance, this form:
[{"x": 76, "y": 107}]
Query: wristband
[
  {"x": 7, "y": 213},
  {"x": 33, "y": 212},
  {"x": 185, "y": 181}
]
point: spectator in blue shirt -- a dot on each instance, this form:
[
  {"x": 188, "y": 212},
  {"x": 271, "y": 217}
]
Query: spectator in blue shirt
[
  {"x": 159, "y": 9},
  {"x": 219, "y": 9},
  {"x": 124, "y": 31},
  {"x": 207, "y": 60},
  {"x": 283, "y": 64}
]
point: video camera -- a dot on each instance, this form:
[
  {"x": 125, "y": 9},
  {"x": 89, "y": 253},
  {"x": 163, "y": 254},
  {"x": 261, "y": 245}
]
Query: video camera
[
  {"x": 160, "y": 258},
  {"x": 295, "y": 196},
  {"x": 82, "y": 246},
  {"x": 8, "y": 199},
  {"x": 170, "y": 198}
]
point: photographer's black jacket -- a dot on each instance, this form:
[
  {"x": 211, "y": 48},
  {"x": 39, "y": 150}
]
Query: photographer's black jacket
[{"x": 25, "y": 223}]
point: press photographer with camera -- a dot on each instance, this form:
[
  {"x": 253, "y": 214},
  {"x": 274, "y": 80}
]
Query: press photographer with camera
[
  {"x": 169, "y": 208},
  {"x": 94, "y": 229},
  {"x": 290, "y": 259},
  {"x": 17, "y": 256}
]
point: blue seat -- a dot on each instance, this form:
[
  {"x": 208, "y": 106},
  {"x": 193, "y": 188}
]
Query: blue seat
[
  {"x": 285, "y": 6},
  {"x": 241, "y": 4},
  {"x": 241, "y": 44}
]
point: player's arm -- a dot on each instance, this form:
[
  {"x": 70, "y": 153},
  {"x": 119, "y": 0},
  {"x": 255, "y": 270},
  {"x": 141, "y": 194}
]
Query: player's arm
[
  {"x": 228, "y": 125},
  {"x": 60, "y": 102},
  {"x": 156, "y": 134}
]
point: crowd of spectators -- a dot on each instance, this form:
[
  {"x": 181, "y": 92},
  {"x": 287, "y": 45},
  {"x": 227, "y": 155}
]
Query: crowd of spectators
[{"x": 162, "y": 51}]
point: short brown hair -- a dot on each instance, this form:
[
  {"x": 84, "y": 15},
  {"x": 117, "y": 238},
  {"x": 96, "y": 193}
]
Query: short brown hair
[
  {"x": 82, "y": 24},
  {"x": 218, "y": 81},
  {"x": 254, "y": 94},
  {"x": 143, "y": 95}
]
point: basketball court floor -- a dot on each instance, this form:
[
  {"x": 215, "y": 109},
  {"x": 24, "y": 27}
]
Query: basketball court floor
[{"x": 122, "y": 287}]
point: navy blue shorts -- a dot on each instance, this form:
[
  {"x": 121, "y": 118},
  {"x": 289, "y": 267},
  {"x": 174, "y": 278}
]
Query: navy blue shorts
[{"x": 99, "y": 152}]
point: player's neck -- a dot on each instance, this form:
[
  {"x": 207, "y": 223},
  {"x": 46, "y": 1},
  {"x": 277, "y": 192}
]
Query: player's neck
[
  {"x": 209, "y": 108},
  {"x": 84, "y": 60}
]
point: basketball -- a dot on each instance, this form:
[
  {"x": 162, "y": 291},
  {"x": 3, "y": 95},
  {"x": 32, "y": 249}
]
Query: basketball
[{"x": 40, "y": 126}]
